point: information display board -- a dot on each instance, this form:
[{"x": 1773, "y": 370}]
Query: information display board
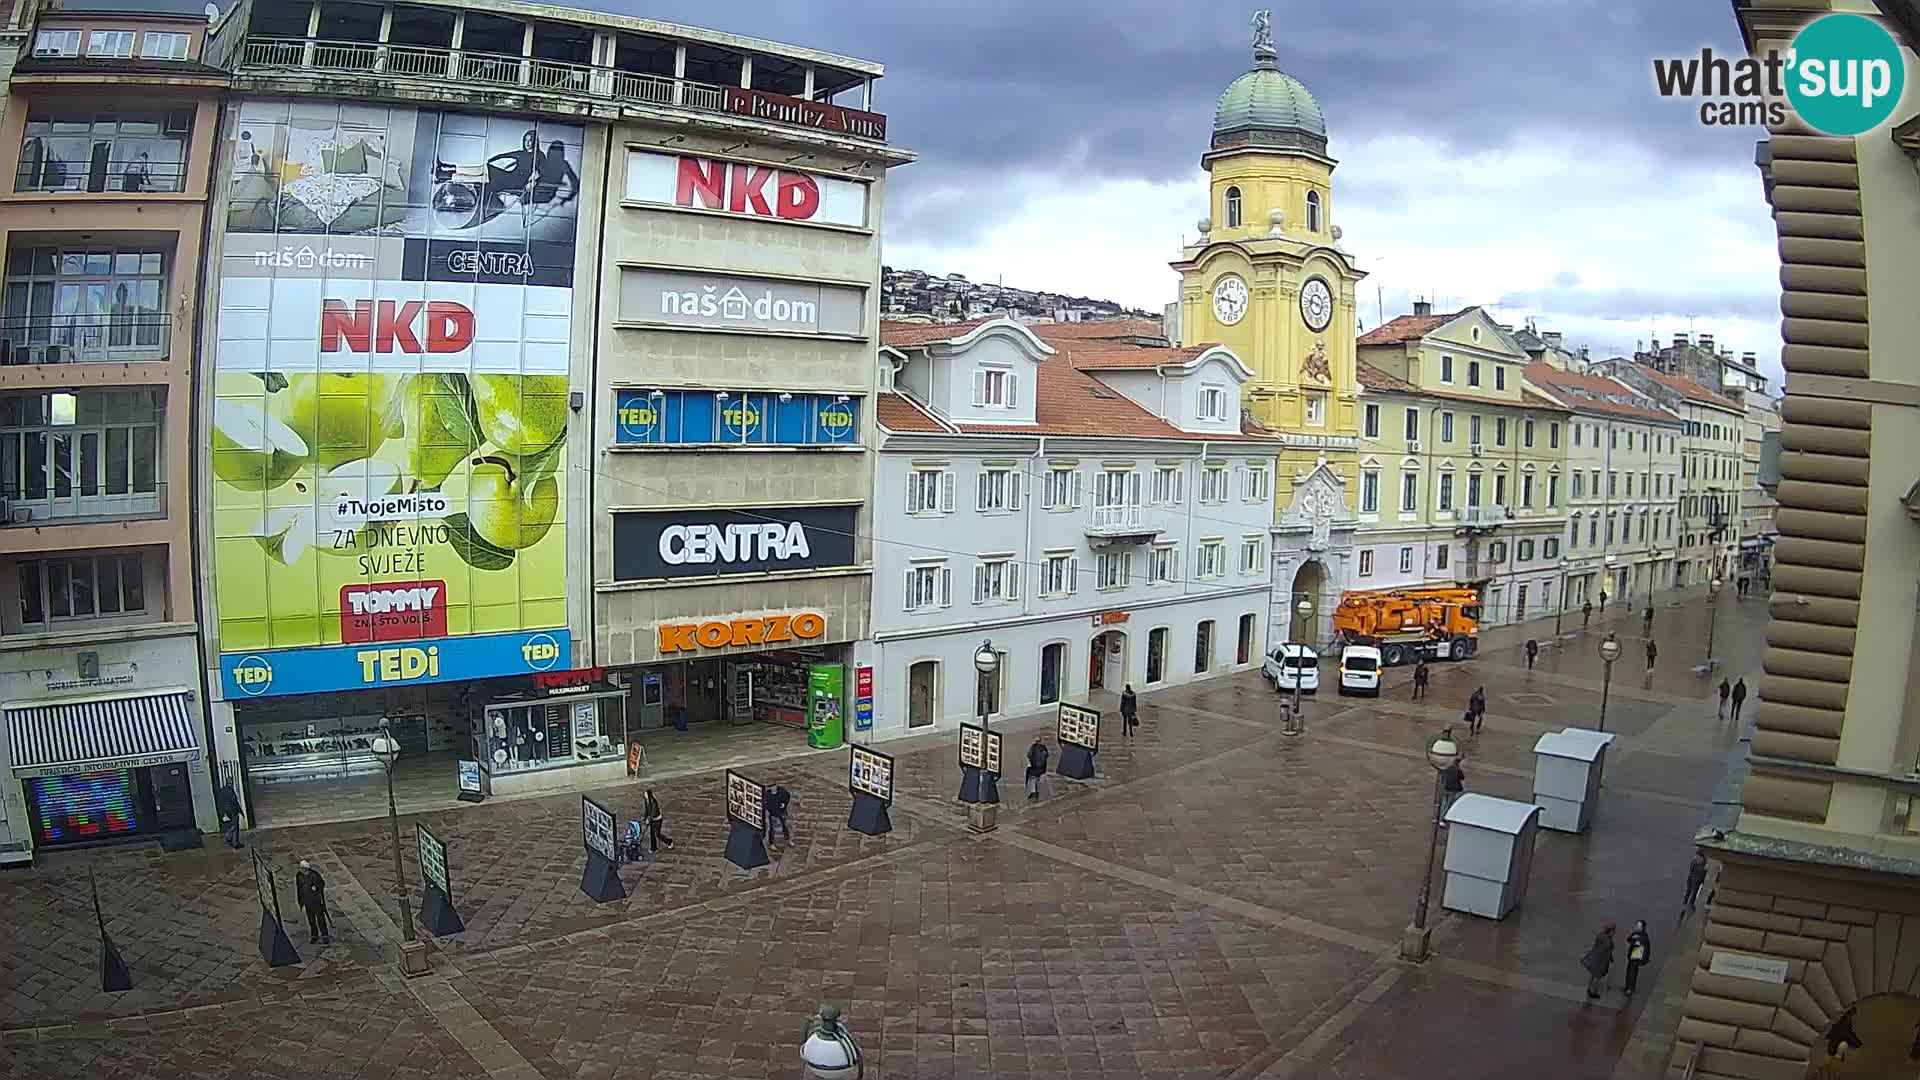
[
  {"x": 979, "y": 748},
  {"x": 1079, "y": 726},
  {"x": 746, "y": 801},
  {"x": 596, "y": 829},
  {"x": 433, "y": 860},
  {"x": 870, "y": 772}
]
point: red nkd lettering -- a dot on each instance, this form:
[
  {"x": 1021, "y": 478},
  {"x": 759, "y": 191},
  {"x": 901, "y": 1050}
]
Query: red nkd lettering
[
  {"x": 798, "y": 198},
  {"x": 385, "y": 326},
  {"x": 701, "y": 183}
]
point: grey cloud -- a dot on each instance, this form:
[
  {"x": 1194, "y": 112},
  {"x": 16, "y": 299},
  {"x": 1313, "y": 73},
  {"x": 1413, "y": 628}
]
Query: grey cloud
[{"x": 1665, "y": 305}]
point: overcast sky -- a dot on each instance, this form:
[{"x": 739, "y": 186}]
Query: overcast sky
[{"x": 1501, "y": 152}]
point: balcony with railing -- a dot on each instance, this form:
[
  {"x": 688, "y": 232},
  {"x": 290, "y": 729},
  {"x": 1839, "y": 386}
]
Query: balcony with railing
[
  {"x": 80, "y": 500},
  {"x": 85, "y": 338},
  {"x": 1470, "y": 571},
  {"x": 100, "y": 174},
  {"x": 1120, "y": 523},
  {"x": 391, "y": 63}
]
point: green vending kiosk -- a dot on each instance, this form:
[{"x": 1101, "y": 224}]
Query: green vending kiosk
[{"x": 826, "y": 683}]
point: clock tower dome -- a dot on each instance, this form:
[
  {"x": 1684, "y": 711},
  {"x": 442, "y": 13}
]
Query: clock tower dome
[{"x": 1269, "y": 279}]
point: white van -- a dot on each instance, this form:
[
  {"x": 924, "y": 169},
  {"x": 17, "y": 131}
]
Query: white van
[
  {"x": 1291, "y": 665},
  {"x": 1360, "y": 670}
]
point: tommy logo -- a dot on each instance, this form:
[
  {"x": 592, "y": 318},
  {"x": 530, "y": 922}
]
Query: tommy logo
[{"x": 393, "y": 611}]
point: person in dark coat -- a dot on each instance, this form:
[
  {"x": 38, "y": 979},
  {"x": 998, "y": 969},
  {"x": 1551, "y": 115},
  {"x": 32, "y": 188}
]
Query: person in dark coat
[
  {"x": 1603, "y": 601},
  {"x": 1639, "y": 951},
  {"x": 1696, "y": 877},
  {"x": 1533, "y": 652},
  {"x": 1129, "y": 711},
  {"x": 1739, "y": 697},
  {"x": 1646, "y": 620},
  {"x": 1598, "y": 961},
  {"x": 1586, "y": 614},
  {"x": 1036, "y": 767},
  {"x": 778, "y": 799},
  {"x": 1421, "y": 678},
  {"x": 310, "y": 889},
  {"x": 1653, "y": 651},
  {"x": 1453, "y": 784},
  {"x": 1725, "y": 689},
  {"x": 656, "y": 823},
  {"x": 226, "y": 803},
  {"x": 1478, "y": 704}
]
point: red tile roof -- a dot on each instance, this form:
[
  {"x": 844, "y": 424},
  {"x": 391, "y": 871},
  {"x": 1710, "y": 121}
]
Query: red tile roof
[
  {"x": 1689, "y": 389},
  {"x": 906, "y": 335},
  {"x": 1378, "y": 381},
  {"x": 897, "y": 412},
  {"x": 1591, "y": 393},
  {"x": 1104, "y": 330},
  {"x": 1372, "y": 378},
  {"x": 1407, "y": 328},
  {"x": 1101, "y": 356}
]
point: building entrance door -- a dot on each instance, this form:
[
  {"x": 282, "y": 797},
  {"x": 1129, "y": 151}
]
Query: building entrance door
[
  {"x": 1053, "y": 662},
  {"x": 921, "y": 678}
]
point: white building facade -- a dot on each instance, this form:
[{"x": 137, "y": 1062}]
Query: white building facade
[{"x": 1099, "y": 527}]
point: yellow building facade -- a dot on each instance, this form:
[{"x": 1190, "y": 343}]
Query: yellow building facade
[{"x": 1267, "y": 278}]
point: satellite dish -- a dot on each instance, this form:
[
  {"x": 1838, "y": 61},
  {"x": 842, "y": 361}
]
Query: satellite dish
[{"x": 213, "y": 11}]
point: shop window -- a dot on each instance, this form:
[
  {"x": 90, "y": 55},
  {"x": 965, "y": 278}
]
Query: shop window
[
  {"x": 1156, "y": 655},
  {"x": 1243, "y": 650},
  {"x": 1203, "y": 648}
]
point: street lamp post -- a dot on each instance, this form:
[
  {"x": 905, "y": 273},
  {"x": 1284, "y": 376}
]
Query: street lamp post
[
  {"x": 1442, "y": 753},
  {"x": 413, "y": 953},
  {"x": 1609, "y": 652},
  {"x": 830, "y": 1052},
  {"x": 986, "y": 662},
  {"x": 1713, "y": 619},
  {"x": 1304, "y": 609}
]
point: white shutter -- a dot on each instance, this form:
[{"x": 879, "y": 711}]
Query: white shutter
[
  {"x": 908, "y": 604},
  {"x": 979, "y": 581},
  {"x": 946, "y": 491},
  {"x": 1179, "y": 485},
  {"x": 913, "y": 492},
  {"x": 1013, "y": 581},
  {"x": 1015, "y": 481},
  {"x": 985, "y": 485},
  {"x": 1133, "y": 488},
  {"x": 946, "y": 587},
  {"x": 979, "y": 387},
  {"x": 1013, "y": 389},
  {"x": 1076, "y": 490},
  {"x": 1073, "y": 575}
]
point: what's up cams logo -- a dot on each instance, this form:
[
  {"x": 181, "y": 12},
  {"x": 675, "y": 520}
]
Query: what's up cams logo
[{"x": 1842, "y": 75}]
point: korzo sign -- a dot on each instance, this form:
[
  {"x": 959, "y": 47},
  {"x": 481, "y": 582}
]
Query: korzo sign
[{"x": 703, "y": 543}]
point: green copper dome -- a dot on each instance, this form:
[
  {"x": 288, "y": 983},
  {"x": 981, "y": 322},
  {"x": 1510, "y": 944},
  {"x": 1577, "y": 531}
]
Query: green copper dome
[{"x": 1268, "y": 99}]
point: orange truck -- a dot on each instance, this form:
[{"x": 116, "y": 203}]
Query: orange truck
[{"x": 1409, "y": 624}]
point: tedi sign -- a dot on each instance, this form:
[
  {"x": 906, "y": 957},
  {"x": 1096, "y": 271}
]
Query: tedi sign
[{"x": 691, "y": 543}]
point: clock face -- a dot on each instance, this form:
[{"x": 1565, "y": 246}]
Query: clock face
[
  {"x": 1230, "y": 300},
  {"x": 1316, "y": 304}
]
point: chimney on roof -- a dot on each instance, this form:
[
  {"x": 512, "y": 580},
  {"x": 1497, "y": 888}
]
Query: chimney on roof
[
  {"x": 1552, "y": 338},
  {"x": 1747, "y": 358},
  {"x": 1423, "y": 307},
  {"x": 1706, "y": 342},
  {"x": 1679, "y": 341}
]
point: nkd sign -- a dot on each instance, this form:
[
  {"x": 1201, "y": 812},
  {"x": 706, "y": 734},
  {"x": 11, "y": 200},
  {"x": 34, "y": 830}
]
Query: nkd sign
[
  {"x": 737, "y": 187},
  {"x": 726, "y": 302}
]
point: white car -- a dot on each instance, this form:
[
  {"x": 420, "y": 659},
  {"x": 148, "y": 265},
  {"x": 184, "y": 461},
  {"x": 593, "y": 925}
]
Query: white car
[
  {"x": 1288, "y": 666},
  {"x": 1360, "y": 670}
]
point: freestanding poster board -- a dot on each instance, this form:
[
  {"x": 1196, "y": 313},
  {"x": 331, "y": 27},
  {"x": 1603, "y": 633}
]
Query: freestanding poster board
[
  {"x": 436, "y": 891},
  {"x": 1078, "y": 730},
  {"x": 979, "y": 764},
  {"x": 870, "y": 780},
  {"x": 601, "y": 878},
  {"x": 747, "y": 821}
]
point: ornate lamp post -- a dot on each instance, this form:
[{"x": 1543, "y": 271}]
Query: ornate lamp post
[
  {"x": 1442, "y": 753},
  {"x": 1294, "y": 726},
  {"x": 413, "y": 954},
  {"x": 986, "y": 662},
  {"x": 1609, "y": 652},
  {"x": 830, "y": 1052},
  {"x": 1713, "y": 619}
]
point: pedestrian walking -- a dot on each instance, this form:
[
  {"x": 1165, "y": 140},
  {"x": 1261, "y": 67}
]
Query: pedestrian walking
[
  {"x": 1453, "y": 784},
  {"x": 1739, "y": 697},
  {"x": 1653, "y": 652},
  {"x": 1603, "y": 601},
  {"x": 1036, "y": 766},
  {"x": 656, "y": 823},
  {"x": 1421, "y": 678},
  {"x": 1598, "y": 961},
  {"x": 1586, "y": 613},
  {"x": 1129, "y": 711},
  {"x": 1639, "y": 951},
  {"x": 1696, "y": 877},
  {"x": 1741, "y": 585},
  {"x": 310, "y": 890},
  {"x": 1725, "y": 689},
  {"x": 778, "y": 799},
  {"x": 1477, "y": 702},
  {"x": 1646, "y": 620},
  {"x": 1533, "y": 652},
  {"x": 226, "y": 803}
]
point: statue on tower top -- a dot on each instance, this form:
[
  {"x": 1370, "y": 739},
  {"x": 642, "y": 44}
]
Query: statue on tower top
[{"x": 1263, "y": 35}]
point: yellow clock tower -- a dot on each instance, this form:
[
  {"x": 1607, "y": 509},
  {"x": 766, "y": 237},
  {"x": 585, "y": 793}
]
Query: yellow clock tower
[{"x": 1269, "y": 280}]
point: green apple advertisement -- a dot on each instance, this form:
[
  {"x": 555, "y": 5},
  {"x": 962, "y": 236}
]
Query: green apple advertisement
[{"x": 391, "y": 398}]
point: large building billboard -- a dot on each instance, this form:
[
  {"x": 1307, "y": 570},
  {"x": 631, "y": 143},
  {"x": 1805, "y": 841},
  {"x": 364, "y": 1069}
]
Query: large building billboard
[{"x": 391, "y": 395}]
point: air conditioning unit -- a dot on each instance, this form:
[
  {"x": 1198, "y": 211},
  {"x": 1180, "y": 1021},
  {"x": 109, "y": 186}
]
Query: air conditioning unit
[
  {"x": 1413, "y": 446},
  {"x": 1477, "y": 449}
]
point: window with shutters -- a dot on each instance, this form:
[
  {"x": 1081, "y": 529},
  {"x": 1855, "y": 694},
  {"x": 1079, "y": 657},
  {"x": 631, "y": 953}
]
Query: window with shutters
[
  {"x": 1406, "y": 560},
  {"x": 1446, "y": 368},
  {"x": 1409, "y": 492},
  {"x": 1473, "y": 430},
  {"x": 1057, "y": 574},
  {"x": 929, "y": 585},
  {"x": 1526, "y": 551},
  {"x": 1553, "y": 436},
  {"x": 998, "y": 490},
  {"x": 1253, "y": 554},
  {"x": 1473, "y": 489},
  {"x": 1441, "y": 556},
  {"x": 1169, "y": 483},
  {"x": 1213, "y": 403},
  {"x": 1553, "y": 491},
  {"x": 1366, "y": 562},
  {"x": 1113, "y": 570},
  {"x": 1499, "y": 377},
  {"x": 1593, "y": 531},
  {"x": 1473, "y": 373},
  {"x": 1497, "y": 551},
  {"x": 1211, "y": 559},
  {"x": 1411, "y": 424},
  {"x": 1062, "y": 489},
  {"x": 1370, "y": 491},
  {"x": 1550, "y": 548},
  {"x": 1213, "y": 484},
  {"x": 996, "y": 579},
  {"x": 1526, "y": 490},
  {"x": 1500, "y": 490},
  {"x": 1256, "y": 483},
  {"x": 1163, "y": 564},
  {"x": 1576, "y": 482},
  {"x": 1446, "y": 492},
  {"x": 1499, "y": 431},
  {"x": 996, "y": 388},
  {"x": 930, "y": 491},
  {"x": 1372, "y": 418},
  {"x": 1526, "y": 433}
]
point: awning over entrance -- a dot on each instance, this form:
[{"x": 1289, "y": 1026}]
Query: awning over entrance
[{"x": 58, "y": 737}]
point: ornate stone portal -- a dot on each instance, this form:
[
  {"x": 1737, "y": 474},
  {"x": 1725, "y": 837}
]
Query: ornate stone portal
[{"x": 1312, "y": 543}]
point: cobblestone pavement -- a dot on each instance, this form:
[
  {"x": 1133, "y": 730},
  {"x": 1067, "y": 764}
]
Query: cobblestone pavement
[{"x": 1221, "y": 901}]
